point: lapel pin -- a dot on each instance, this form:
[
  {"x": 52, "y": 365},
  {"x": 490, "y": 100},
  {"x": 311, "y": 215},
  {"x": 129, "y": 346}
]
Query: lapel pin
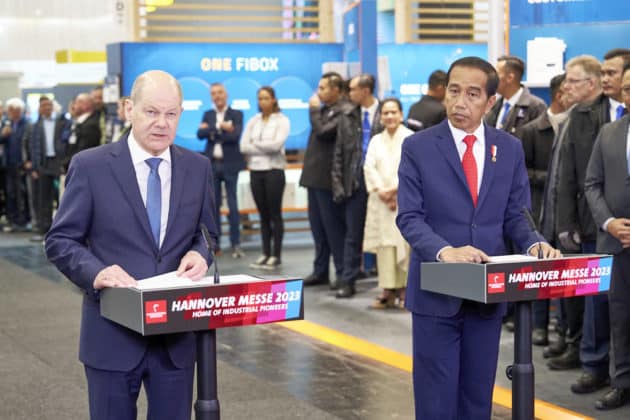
[{"x": 493, "y": 152}]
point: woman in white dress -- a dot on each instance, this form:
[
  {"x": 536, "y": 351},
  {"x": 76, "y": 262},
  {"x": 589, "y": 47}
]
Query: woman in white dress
[
  {"x": 263, "y": 145},
  {"x": 381, "y": 179}
]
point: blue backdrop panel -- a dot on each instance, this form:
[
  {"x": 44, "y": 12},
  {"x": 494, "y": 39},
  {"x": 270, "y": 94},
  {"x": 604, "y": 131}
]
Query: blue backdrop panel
[
  {"x": 293, "y": 70},
  {"x": 544, "y": 12},
  {"x": 411, "y": 64}
]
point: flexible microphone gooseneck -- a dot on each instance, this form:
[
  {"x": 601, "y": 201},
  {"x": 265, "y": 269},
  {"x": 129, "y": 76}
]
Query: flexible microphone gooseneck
[
  {"x": 532, "y": 226},
  {"x": 209, "y": 245}
]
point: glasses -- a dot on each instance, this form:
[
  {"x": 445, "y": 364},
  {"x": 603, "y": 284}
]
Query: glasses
[{"x": 575, "y": 81}]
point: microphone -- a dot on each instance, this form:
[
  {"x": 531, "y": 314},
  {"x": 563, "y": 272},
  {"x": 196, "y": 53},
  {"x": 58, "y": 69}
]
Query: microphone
[
  {"x": 532, "y": 226},
  {"x": 209, "y": 244}
]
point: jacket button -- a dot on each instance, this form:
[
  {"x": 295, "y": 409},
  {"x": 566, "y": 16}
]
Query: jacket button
[{"x": 474, "y": 226}]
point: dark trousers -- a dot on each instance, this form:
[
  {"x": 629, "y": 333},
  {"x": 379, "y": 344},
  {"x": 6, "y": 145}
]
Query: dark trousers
[
  {"x": 230, "y": 180},
  {"x": 619, "y": 296},
  {"x": 267, "y": 189},
  {"x": 454, "y": 364},
  {"x": 540, "y": 314},
  {"x": 113, "y": 395},
  {"x": 327, "y": 225},
  {"x": 47, "y": 194},
  {"x": 354, "y": 215},
  {"x": 16, "y": 194},
  {"x": 595, "y": 344}
]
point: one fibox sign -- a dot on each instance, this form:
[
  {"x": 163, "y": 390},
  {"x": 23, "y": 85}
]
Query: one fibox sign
[
  {"x": 544, "y": 279},
  {"x": 220, "y": 306}
]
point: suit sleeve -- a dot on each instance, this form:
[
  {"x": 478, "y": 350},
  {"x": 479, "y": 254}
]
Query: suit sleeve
[
  {"x": 411, "y": 219},
  {"x": 338, "y": 159},
  {"x": 206, "y": 217},
  {"x": 66, "y": 245},
  {"x": 204, "y": 133},
  {"x": 237, "y": 122},
  {"x": 325, "y": 129},
  {"x": 594, "y": 184}
]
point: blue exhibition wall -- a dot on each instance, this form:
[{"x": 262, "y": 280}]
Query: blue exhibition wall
[
  {"x": 293, "y": 70},
  {"x": 411, "y": 64},
  {"x": 586, "y": 26}
]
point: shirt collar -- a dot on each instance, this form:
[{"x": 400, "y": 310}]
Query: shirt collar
[
  {"x": 371, "y": 109},
  {"x": 459, "y": 135},
  {"x": 139, "y": 155},
  {"x": 515, "y": 98}
]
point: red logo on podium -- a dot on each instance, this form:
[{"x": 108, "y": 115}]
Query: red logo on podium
[
  {"x": 155, "y": 312},
  {"x": 496, "y": 283}
]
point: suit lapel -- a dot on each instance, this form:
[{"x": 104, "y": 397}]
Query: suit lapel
[
  {"x": 125, "y": 175},
  {"x": 446, "y": 144},
  {"x": 178, "y": 176},
  {"x": 488, "y": 167}
]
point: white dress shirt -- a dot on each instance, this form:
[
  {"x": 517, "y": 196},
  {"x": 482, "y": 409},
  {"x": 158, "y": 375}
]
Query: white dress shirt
[
  {"x": 479, "y": 147},
  {"x": 139, "y": 157}
]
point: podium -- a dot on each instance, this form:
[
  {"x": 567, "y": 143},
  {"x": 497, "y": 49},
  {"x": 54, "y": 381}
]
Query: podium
[
  {"x": 166, "y": 304},
  {"x": 520, "y": 279}
]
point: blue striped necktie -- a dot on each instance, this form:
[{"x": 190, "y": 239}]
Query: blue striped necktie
[
  {"x": 366, "y": 132},
  {"x": 154, "y": 198}
]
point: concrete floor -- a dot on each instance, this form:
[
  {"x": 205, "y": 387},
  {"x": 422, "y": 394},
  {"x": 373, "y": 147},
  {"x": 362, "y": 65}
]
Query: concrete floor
[{"x": 265, "y": 372}]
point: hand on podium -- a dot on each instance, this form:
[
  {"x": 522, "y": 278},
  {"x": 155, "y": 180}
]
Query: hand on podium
[
  {"x": 461, "y": 254},
  {"x": 192, "y": 265},
  {"x": 544, "y": 250},
  {"x": 113, "y": 276}
]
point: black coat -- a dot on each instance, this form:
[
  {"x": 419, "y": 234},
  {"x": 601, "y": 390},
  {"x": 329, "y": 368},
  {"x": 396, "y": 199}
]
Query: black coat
[
  {"x": 316, "y": 172},
  {"x": 572, "y": 211},
  {"x": 527, "y": 109},
  {"x": 425, "y": 113},
  {"x": 537, "y": 138}
]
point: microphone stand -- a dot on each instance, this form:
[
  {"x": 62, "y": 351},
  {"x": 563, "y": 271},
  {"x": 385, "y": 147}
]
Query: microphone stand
[
  {"x": 207, "y": 404},
  {"x": 521, "y": 373}
]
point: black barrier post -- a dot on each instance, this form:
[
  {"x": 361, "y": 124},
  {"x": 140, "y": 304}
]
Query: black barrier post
[
  {"x": 522, "y": 371},
  {"x": 207, "y": 404}
]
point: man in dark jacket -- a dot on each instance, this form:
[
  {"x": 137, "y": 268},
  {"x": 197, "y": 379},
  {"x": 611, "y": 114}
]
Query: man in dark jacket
[
  {"x": 575, "y": 223},
  {"x": 517, "y": 106},
  {"x": 325, "y": 216},
  {"x": 429, "y": 110},
  {"x": 46, "y": 154},
  {"x": 358, "y": 122},
  {"x": 221, "y": 127},
  {"x": 12, "y": 134}
]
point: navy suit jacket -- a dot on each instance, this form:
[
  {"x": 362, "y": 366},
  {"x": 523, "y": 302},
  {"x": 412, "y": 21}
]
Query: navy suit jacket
[
  {"x": 102, "y": 221},
  {"x": 436, "y": 209},
  {"x": 233, "y": 160}
]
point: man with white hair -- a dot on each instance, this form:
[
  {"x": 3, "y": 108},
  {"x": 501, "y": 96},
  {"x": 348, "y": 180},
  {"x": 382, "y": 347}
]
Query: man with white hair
[{"x": 12, "y": 133}]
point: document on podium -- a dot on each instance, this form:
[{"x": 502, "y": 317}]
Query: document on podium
[
  {"x": 172, "y": 280},
  {"x": 511, "y": 258}
]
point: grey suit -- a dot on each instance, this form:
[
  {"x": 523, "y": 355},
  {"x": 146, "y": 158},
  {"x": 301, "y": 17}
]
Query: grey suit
[{"x": 607, "y": 189}]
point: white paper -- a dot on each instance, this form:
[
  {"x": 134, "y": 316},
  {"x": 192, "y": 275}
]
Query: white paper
[
  {"x": 511, "y": 258},
  {"x": 172, "y": 281}
]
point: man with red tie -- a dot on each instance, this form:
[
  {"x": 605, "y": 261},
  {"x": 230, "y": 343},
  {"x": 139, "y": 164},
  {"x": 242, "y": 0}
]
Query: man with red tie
[{"x": 462, "y": 188}]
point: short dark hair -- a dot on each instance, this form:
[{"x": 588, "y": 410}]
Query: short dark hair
[
  {"x": 626, "y": 67},
  {"x": 478, "y": 63},
  {"x": 43, "y": 98},
  {"x": 334, "y": 80},
  {"x": 617, "y": 52},
  {"x": 514, "y": 65},
  {"x": 394, "y": 100},
  {"x": 272, "y": 93},
  {"x": 437, "y": 78},
  {"x": 555, "y": 83},
  {"x": 366, "y": 80}
]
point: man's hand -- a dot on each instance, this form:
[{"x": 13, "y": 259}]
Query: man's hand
[
  {"x": 620, "y": 229},
  {"x": 34, "y": 175},
  {"x": 203, "y": 125},
  {"x": 547, "y": 250},
  {"x": 6, "y": 130},
  {"x": 193, "y": 266},
  {"x": 314, "y": 101},
  {"x": 466, "y": 253},
  {"x": 227, "y": 126},
  {"x": 570, "y": 241},
  {"x": 113, "y": 276}
]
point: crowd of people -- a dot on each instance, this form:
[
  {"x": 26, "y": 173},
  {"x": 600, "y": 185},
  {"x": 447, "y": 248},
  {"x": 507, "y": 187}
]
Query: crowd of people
[
  {"x": 574, "y": 152},
  {"x": 34, "y": 155}
]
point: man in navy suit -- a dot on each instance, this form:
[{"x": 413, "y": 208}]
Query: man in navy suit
[
  {"x": 462, "y": 187},
  {"x": 132, "y": 210},
  {"x": 222, "y": 127}
]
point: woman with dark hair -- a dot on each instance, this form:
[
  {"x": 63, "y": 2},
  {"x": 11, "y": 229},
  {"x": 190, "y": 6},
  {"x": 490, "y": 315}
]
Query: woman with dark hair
[
  {"x": 263, "y": 145},
  {"x": 381, "y": 180}
]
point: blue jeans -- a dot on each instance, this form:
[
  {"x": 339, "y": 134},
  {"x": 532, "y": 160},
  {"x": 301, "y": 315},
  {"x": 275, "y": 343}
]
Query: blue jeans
[
  {"x": 595, "y": 344},
  {"x": 230, "y": 180}
]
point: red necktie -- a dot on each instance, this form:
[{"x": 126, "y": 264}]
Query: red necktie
[{"x": 470, "y": 167}]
